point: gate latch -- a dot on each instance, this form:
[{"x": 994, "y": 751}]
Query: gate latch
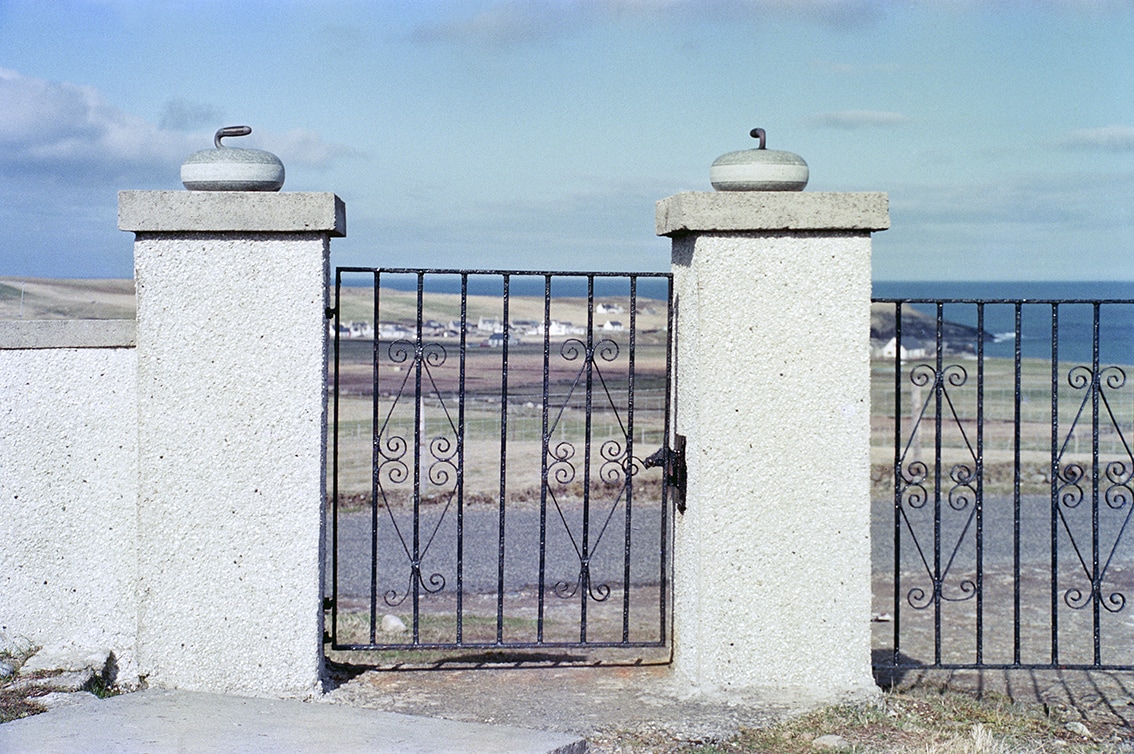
[{"x": 672, "y": 462}]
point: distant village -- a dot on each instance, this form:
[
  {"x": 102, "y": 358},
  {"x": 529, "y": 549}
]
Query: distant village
[{"x": 491, "y": 331}]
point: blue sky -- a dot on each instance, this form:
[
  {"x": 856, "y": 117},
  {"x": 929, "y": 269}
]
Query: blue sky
[{"x": 539, "y": 134}]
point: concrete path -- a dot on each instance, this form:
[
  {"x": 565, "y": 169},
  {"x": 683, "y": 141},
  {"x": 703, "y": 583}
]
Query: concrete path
[{"x": 161, "y": 722}]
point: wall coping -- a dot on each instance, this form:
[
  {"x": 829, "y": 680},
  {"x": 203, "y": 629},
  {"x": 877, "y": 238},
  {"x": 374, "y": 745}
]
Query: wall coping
[
  {"x": 710, "y": 211},
  {"x": 231, "y": 211},
  {"x": 66, "y": 333}
]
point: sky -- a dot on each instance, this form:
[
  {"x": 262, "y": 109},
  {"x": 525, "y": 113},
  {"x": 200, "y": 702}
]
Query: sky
[{"x": 538, "y": 134}]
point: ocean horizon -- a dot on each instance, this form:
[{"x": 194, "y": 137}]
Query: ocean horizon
[
  {"x": 1075, "y": 320},
  {"x": 1075, "y": 327}
]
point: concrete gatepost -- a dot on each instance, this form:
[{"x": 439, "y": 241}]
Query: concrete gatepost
[
  {"x": 231, "y": 334},
  {"x": 772, "y": 555}
]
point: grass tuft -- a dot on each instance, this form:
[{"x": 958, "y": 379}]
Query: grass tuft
[{"x": 925, "y": 721}]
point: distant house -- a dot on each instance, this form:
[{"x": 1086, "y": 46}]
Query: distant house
[
  {"x": 554, "y": 328},
  {"x": 490, "y": 324},
  {"x": 613, "y": 326},
  {"x": 496, "y": 340},
  {"x": 608, "y": 309},
  {"x": 911, "y": 349},
  {"x": 361, "y": 330},
  {"x": 395, "y": 331},
  {"x": 455, "y": 326},
  {"x": 525, "y": 326}
]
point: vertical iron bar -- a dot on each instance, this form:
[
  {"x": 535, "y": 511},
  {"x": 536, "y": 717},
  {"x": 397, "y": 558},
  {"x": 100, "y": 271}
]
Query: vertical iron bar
[
  {"x": 545, "y": 441},
  {"x": 503, "y": 467},
  {"x": 939, "y": 387},
  {"x": 1016, "y": 413},
  {"x": 979, "y": 502},
  {"x": 897, "y": 479},
  {"x": 629, "y": 471},
  {"x": 585, "y": 581},
  {"x": 375, "y": 452},
  {"x": 335, "y": 472},
  {"x": 418, "y": 419},
  {"x": 666, "y": 509},
  {"x": 461, "y": 459},
  {"x": 1096, "y": 385},
  {"x": 1055, "y": 484}
]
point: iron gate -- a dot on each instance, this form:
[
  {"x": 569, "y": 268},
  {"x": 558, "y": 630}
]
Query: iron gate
[
  {"x": 1002, "y": 534},
  {"x": 497, "y": 481}
]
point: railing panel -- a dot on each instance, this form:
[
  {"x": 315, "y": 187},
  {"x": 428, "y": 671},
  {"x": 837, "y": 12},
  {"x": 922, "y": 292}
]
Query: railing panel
[{"x": 1003, "y": 483}]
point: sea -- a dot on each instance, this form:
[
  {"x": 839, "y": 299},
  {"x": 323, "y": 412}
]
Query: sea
[{"x": 1075, "y": 330}]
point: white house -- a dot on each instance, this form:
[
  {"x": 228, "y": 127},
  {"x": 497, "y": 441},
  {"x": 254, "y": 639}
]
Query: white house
[
  {"x": 613, "y": 326},
  {"x": 555, "y": 328},
  {"x": 361, "y": 330},
  {"x": 489, "y": 324},
  {"x": 911, "y": 349}
]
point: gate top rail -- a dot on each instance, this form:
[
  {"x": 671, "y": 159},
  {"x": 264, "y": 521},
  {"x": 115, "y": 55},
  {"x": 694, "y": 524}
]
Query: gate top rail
[
  {"x": 1049, "y": 301},
  {"x": 533, "y": 273}
]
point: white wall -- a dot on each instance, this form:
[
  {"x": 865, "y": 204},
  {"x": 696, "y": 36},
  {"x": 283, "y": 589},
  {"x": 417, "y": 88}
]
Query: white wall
[{"x": 68, "y": 492}]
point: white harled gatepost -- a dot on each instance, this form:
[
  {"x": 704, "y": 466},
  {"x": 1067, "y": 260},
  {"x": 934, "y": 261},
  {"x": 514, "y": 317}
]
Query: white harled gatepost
[
  {"x": 772, "y": 556},
  {"x": 231, "y": 334}
]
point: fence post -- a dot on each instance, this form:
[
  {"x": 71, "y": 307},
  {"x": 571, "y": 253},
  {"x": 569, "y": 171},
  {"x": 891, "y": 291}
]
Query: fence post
[
  {"x": 772, "y": 556},
  {"x": 231, "y": 333}
]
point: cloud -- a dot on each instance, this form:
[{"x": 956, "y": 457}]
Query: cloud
[
  {"x": 69, "y": 129},
  {"x": 301, "y": 146},
  {"x": 855, "y": 119},
  {"x": 1105, "y": 139},
  {"x": 1041, "y": 202},
  {"x": 63, "y": 131},
  {"x": 183, "y": 115}
]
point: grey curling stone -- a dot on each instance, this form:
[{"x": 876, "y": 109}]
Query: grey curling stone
[
  {"x": 232, "y": 168},
  {"x": 759, "y": 169}
]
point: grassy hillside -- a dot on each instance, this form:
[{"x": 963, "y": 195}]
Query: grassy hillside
[{"x": 49, "y": 298}]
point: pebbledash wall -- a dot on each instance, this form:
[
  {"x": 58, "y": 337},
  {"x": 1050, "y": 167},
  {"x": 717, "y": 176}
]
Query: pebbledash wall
[
  {"x": 163, "y": 496},
  {"x": 163, "y": 491},
  {"x": 68, "y": 485}
]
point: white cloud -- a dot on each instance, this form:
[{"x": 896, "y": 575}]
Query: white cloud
[
  {"x": 301, "y": 146},
  {"x": 71, "y": 131},
  {"x": 855, "y": 119},
  {"x": 64, "y": 127},
  {"x": 1106, "y": 138}
]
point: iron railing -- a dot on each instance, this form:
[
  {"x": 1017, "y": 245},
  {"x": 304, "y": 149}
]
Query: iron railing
[
  {"x": 1010, "y": 483},
  {"x": 466, "y": 498}
]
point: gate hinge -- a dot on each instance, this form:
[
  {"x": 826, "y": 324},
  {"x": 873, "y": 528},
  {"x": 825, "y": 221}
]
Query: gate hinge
[
  {"x": 330, "y": 312},
  {"x": 672, "y": 461}
]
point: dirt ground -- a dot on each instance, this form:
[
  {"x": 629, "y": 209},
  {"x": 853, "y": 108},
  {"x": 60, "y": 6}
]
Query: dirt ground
[{"x": 635, "y": 710}]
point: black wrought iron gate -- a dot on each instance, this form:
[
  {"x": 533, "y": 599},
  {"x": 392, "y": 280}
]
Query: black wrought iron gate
[{"x": 496, "y": 475}]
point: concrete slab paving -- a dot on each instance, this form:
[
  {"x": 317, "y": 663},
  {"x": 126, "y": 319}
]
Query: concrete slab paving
[{"x": 161, "y": 722}]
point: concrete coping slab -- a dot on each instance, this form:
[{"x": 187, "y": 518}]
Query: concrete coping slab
[
  {"x": 231, "y": 212},
  {"x": 16, "y": 335},
  {"x": 159, "y": 721},
  {"x": 712, "y": 211}
]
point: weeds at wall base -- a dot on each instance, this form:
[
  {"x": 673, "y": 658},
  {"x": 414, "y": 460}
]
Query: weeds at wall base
[{"x": 932, "y": 721}]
